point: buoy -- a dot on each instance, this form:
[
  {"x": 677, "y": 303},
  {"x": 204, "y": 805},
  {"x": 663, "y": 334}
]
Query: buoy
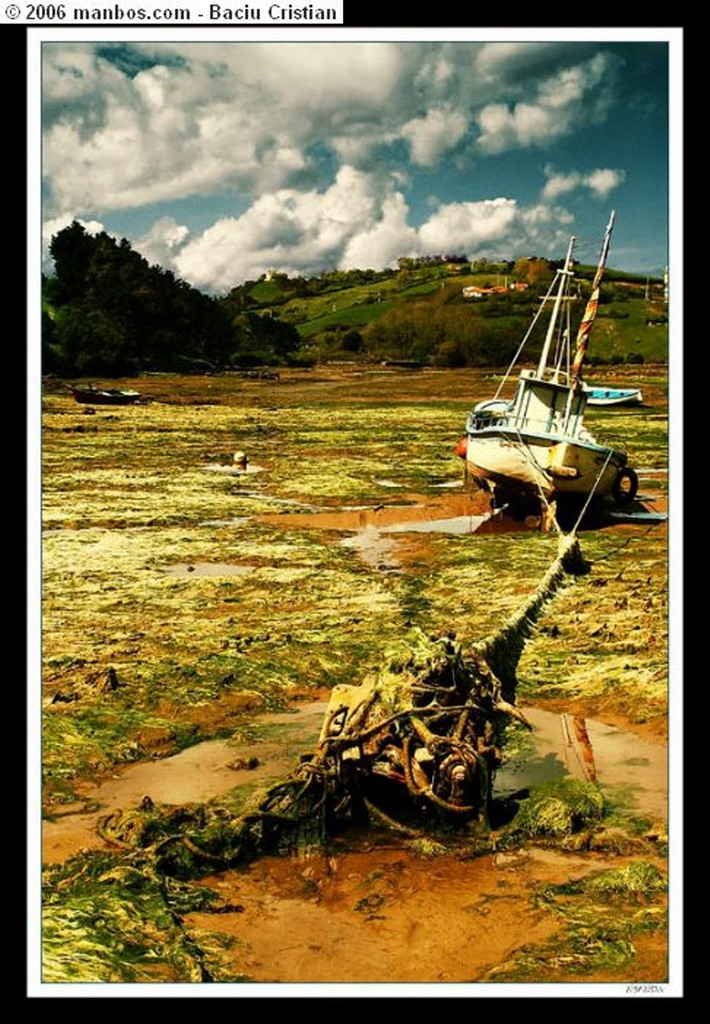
[{"x": 462, "y": 447}]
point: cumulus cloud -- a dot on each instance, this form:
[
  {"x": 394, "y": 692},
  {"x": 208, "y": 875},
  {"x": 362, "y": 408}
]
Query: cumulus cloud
[
  {"x": 350, "y": 224},
  {"x": 433, "y": 135},
  {"x": 163, "y": 241},
  {"x": 518, "y": 62},
  {"x": 323, "y": 146},
  {"x": 524, "y": 125},
  {"x": 297, "y": 232},
  {"x": 239, "y": 116},
  {"x": 604, "y": 181},
  {"x": 383, "y": 243},
  {"x": 564, "y": 101},
  {"x": 468, "y": 227},
  {"x": 600, "y": 182},
  {"x": 126, "y": 125}
]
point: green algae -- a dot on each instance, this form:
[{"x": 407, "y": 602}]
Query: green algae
[
  {"x": 603, "y": 917},
  {"x": 105, "y": 922},
  {"x": 558, "y": 809},
  {"x": 136, "y": 494}
]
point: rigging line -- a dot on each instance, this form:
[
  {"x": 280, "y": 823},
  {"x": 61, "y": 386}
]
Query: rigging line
[
  {"x": 591, "y": 493},
  {"x": 522, "y": 344},
  {"x": 527, "y": 454}
]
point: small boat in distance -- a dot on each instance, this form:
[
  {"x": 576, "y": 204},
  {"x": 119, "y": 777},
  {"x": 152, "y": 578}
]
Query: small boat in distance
[
  {"x": 599, "y": 395},
  {"x": 90, "y": 395},
  {"x": 535, "y": 448}
]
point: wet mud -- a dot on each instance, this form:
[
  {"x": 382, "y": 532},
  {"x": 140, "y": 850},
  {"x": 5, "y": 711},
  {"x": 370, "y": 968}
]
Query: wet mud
[
  {"x": 392, "y": 537},
  {"x": 382, "y": 917},
  {"x": 631, "y": 772},
  {"x": 370, "y": 911}
]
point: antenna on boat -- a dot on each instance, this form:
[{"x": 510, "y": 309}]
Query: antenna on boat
[{"x": 564, "y": 275}]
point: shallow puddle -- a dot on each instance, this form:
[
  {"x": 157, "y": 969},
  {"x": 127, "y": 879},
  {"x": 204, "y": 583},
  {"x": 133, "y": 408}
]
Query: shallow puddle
[
  {"x": 367, "y": 526},
  {"x": 374, "y": 549},
  {"x": 456, "y": 525},
  {"x": 631, "y": 772},
  {"x": 370, "y": 910},
  {"x": 195, "y": 775},
  {"x": 382, "y": 916}
]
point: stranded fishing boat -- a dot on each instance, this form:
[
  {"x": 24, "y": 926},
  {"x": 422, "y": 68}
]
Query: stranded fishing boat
[
  {"x": 600, "y": 395},
  {"x": 536, "y": 447},
  {"x": 91, "y": 395}
]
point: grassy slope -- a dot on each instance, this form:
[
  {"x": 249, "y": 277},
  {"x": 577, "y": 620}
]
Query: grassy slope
[{"x": 621, "y": 330}]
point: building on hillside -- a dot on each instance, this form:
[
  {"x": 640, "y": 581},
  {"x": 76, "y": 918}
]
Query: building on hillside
[{"x": 475, "y": 291}]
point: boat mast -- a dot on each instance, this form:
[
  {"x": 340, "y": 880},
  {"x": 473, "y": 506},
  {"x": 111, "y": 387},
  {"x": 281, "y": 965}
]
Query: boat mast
[
  {"x": 564, "y": 276},
  {"x": 590, "y": 312}
]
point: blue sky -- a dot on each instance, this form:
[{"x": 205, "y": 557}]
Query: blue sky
[{"x": 222, "y": 159}]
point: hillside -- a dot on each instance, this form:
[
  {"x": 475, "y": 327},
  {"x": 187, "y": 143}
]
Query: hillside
[
  {"x": 422, "y": 314},
  {"x": 106, "y": 311}
]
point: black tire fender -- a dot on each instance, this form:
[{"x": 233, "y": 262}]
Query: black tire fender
[{"x": 625, "y": 486}]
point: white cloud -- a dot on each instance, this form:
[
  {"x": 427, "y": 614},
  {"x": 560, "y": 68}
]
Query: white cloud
[
  {"x": 559, "y": 184},
  {"x": 570, "y": 85},
  {"x": 326, "y": 147},
  {"x": 433, "y": 135},
  {"x": 298, "y": 232},
  {"x": 544, "y": 231},
  {"x": 52, "y": 227},
  {"x": 384, "y": 242},
  {"x": 232, "y": 116},
  {"x": 163, "y": 241},
  {"x": 516, "y": 62},
  {"x": 350, "y": 224},
  {"x": 151, "y": 122},
  {"x": 604, "y": 181},
  {"x": 563, "y": 102},
  {"x": 600, "y": 182},
  {"x": 468, "y": 227},
  {"x": 524, "y": 125}
]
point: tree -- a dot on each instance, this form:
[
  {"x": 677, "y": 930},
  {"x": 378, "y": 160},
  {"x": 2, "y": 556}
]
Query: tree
[
  {"x": 262, "y": 340},
  {"x": 535, "y": 272},
  {"x": 112, "y": 313}
]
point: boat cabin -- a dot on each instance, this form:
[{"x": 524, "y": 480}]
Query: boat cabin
[{"x": 539, "y": 406}]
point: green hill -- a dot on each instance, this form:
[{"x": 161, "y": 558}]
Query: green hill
[
  {"x": 422, "y": 314},
  {"x": 107, "y": 311}
]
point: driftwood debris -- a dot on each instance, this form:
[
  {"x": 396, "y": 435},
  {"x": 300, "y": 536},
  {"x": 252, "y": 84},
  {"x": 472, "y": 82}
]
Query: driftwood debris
[{"x": 417, "y": 740}]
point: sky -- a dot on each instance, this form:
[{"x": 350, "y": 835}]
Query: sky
[{"x": 222, "y": 160}]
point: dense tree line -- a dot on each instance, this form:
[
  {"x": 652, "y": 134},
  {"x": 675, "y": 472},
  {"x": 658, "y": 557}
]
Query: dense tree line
[
  {"x": 108, "y": 312},
  {"x": 449, "y": 332}
]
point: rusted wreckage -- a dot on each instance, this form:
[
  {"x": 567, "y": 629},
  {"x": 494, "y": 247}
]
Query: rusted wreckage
[
  {"x": 416, "y": 741},
  {"x": 427, "y": 724}
]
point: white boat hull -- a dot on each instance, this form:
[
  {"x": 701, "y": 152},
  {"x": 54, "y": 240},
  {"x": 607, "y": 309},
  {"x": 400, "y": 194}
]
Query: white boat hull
[
  {"x": 555, "y": 467},
  {"x": 535, "y": 445}
]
